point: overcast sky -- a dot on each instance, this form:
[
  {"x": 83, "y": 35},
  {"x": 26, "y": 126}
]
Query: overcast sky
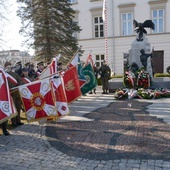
[{"x": 11, "y": 28}]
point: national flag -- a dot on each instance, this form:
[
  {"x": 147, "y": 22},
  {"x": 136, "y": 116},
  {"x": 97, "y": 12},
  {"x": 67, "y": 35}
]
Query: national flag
[
  {"x": 61, "y": 99},
  {"x": 50, "y": 69},
  {"x": 89, "y": 60},
  {"x": 76, "y": 62},
  {"x": 7, "y": 108},
  {"x": 71, "y": 84},
  {"x": 38, "y": 100},
  {"x": 90, "y": 78},
  {"x": 104, "y": 10}
]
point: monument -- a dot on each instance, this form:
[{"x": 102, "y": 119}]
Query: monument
[
  {"x": 140, "y": 48},
  {"x": 140, "y": 56}
]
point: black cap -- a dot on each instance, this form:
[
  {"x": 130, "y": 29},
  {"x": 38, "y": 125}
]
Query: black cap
[
  {"x": 27, "y": 64},
  {"x": 40, "y": 63},
  {"x": 18, "y": 63}
]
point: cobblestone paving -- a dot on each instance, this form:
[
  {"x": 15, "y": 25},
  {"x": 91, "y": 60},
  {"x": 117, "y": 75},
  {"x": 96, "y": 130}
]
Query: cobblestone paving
[
  {"x": 116, "y": 133},
  {"x": 119, "y": 131}
]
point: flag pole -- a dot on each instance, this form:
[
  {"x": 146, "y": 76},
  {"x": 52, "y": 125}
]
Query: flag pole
[
  {"x": 105, "y": 29},
  {"x": 74, "y": 55}
]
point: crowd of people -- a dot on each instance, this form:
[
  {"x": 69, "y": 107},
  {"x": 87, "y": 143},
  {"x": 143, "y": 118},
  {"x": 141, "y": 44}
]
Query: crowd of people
[
  {"x": 105, "y": 73},
  {"x": 19, "y": 72}
]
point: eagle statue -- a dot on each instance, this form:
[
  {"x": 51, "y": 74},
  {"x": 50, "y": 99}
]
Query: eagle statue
[{"x": 140, "y": 28}]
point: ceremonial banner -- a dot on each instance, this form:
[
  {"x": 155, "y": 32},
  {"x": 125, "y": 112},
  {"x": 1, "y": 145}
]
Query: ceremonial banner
[
  {"x": 71, "y": 84},
  {"x": 76, "y": 62},
  {"x": 38, "y": 100},
  {"x": 89, "y": 60},
  {"x": 90, "y": 79},
  {"x": 11, "y": 79},
  {"x": 7, "y": 108},
  {"x": 61, "y": 99},
  {"x": 26, "y": 80},
  {"x": 50, "y": 69}
]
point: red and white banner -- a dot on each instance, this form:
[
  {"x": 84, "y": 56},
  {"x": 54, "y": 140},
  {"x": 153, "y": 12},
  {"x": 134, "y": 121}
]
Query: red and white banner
[
  {"x": 89, "y": 60},
  {"x": 61, "y": 99},
  {"x": 50, "y": 69},
  {"x": 25, "y": 80},
  {"x": 7, "y": 108},
  {"x": 71, "y": 84},
  {"x": 74, "y": 61},
  {"x": 11, "y": 79},
  {"x": 38, "y": 100}
]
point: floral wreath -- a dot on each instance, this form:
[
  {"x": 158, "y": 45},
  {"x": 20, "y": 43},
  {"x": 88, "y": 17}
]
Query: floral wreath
[
  {"x": 129, "y": 79},
  {"x": 143, "y": 79}
]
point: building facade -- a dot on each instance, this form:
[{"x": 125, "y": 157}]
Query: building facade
[
  {"x": 114, "y": 36},
  {"x": 15, "y": 56}
]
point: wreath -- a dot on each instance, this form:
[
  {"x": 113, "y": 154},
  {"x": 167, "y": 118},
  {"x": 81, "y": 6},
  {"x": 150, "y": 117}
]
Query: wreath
[
  {"x": 129, "y": 79},
  {"x": 168, "y": 69},
  {"x": 121, "y": 94},
  {"x": 143, "y": 79}
]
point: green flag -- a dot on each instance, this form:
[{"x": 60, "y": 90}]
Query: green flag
[{"x": 91, "y": 81}]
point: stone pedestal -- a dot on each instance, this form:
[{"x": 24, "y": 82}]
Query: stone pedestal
[{"x": 134, "y": 54}]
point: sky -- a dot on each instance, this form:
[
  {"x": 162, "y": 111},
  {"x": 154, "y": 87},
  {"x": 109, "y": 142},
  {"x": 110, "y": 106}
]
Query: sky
[{"x": 11, "y": 37}]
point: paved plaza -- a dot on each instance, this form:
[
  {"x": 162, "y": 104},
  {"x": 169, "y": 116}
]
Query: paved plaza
[{"x": 100, "y": 133}]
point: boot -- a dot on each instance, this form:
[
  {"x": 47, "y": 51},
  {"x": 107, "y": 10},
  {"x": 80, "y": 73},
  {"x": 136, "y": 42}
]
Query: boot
[{"x": 4, "y": 128}]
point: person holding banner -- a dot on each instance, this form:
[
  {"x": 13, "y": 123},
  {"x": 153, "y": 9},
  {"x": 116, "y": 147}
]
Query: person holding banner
[
  {"x": 16, "y": 121},
  {"x": 40, "y": 68},
  {"x": 105, "y": 73}
]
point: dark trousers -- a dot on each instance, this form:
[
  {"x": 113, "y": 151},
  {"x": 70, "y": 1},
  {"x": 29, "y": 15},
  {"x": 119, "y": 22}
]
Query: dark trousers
[
  {"x": 4, "y": 126},
  {"x": 18, "y": 105},
  {"x": 105, "y": 84}
]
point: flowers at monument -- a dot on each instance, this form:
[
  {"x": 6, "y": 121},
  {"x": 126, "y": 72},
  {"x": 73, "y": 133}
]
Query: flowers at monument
[
  {"x": 139, "y": 79},
  {"x": 129, "y": 79},
  {"x": 121, "y": 93},
  {"x": 142, "y": 93},
  {"x": 143, "y": 79}
]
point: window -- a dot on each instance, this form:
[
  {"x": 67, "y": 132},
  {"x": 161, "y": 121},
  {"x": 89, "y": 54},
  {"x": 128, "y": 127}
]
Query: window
[
  {"x": 126, "y": 18},
  {"x": 98, "y": 27},
  {"x": 72, "y": 1},
  {"x": 127, "y": 24},
  {"x": 99, "y": 60},
  {"x": 157, "y": 8},
  {"x": 158, "y": 20}
]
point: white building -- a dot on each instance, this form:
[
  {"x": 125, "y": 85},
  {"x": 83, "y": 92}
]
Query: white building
[
  {"x": 14, "y": 56},
  {"x": 120, "y": 30}
]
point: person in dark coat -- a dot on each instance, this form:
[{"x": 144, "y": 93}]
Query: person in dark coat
[
  {"x": 40, "y": 68},
  {"x": 105, "y": 73},
  {"x": 31, "y": 72},
  {"x": 59, "y": 66},
  {"x": 96, "y": 71},
  {"x": 16, "y": 121},
  {"x": 18, "y": 67}
]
